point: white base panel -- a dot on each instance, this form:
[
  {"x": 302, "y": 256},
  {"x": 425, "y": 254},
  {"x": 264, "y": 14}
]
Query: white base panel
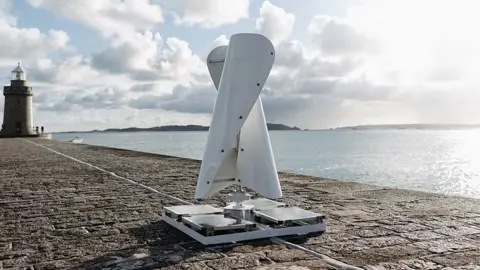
[
  {"x": 260, "y": 232},
  {"x": 263, "y": 218}
]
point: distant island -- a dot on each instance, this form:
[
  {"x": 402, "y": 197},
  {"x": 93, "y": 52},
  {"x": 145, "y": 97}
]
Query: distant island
[
  {"x": 410, "y": 126},
  {"x": 270, "y": 126}
]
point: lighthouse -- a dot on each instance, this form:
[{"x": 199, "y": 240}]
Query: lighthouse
[{"x": 17, "y": 112}]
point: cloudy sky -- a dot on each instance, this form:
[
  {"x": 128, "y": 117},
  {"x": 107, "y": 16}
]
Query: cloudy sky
[{"x": 97, "y": 64}]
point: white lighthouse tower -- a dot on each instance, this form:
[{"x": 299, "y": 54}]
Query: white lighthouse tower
[{"x": 17, "y": 113}]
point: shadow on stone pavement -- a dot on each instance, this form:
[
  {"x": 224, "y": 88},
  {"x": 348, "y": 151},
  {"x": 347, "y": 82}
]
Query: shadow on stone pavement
[
  {"x": 301, "y": 239},
  {"x": 158, "y": 246}
]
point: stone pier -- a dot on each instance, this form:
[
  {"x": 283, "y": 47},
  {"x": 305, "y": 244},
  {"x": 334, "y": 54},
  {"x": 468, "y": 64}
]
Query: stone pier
[{"x": 57, "y": 213}]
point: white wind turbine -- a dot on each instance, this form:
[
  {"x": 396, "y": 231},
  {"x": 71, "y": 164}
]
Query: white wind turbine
[{"x": 238, "y": 151}]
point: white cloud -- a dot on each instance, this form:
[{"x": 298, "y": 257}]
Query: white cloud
[
  {"x": 433, "y": 40},
  {"x": 383, "y": 62},
  {"x": 111, "y": 79},
  {"x": 137, "y": 53},
  {"x": 85, "y": 99},
  {"x": 20, "y": 44},
  {"x": 5, "y": 6},
  {"x": 178, "y": 61},
  {"x": 110, "y": 17},
  {"x": 73, "y": 70},
  {"x": 335, "y": 37},
  {"x": 145, "y": 57},
  {"x": 275, "y": 23},
  {"x": 207, "y": 13},
  {"x": 219, "y": 41}
]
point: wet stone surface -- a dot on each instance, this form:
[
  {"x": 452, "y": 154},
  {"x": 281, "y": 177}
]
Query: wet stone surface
[{"x": 56, "y": 213}]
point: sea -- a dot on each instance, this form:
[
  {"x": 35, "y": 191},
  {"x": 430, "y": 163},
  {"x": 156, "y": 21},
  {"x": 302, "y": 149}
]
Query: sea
[{"x": 440, "y": 161}]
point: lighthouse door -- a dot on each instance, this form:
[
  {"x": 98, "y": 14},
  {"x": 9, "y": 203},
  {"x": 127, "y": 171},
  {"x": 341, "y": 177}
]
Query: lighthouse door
[{"x": 18, "y": 127}]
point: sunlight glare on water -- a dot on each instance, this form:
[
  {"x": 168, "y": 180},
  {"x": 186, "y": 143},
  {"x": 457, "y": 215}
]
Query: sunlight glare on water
[
  {"x": 460, "y": 165},
  {"x": 446, "y": 162}
]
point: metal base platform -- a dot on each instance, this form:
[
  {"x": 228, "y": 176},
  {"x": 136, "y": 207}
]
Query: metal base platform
[
  {"x": 264, "y": 204},
  {"x": 210, "y": 225}
]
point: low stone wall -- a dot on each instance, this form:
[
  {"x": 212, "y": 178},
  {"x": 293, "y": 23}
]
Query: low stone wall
[
  {"x": 46, "y": 136},
  {"x": 56, "y": 213},
  {"x": 19, "y": 136}
]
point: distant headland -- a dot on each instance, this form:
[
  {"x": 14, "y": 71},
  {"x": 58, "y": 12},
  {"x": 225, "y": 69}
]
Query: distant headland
[
  {"x": 270, "y": 126},
  {"x": 410, "y": 126}
]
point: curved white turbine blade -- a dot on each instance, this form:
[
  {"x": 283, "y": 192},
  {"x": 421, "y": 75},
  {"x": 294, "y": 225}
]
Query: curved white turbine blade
[
  {"x": 256, "y": 167},
  {"x": 249, "y": 59},
  {"x": 228, "y": 167},
  {"x": 215, "y": 63}
]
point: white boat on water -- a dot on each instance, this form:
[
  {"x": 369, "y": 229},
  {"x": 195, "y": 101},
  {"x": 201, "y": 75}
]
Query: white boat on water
[{"x": 76, "y": 140}]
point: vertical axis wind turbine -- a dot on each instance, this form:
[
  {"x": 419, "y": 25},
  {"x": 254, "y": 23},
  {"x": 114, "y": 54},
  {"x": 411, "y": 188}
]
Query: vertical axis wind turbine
[{"x": 238, "y": 151}]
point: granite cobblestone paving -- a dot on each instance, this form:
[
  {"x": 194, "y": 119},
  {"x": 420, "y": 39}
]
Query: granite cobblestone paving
[{"x": 59, "y": 214}]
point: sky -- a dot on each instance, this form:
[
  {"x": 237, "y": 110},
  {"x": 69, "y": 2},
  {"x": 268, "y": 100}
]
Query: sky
[{"x": 97, "y": 64}]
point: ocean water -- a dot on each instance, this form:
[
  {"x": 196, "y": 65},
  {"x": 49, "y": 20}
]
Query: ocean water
[{"x": 446, "y": 162}]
